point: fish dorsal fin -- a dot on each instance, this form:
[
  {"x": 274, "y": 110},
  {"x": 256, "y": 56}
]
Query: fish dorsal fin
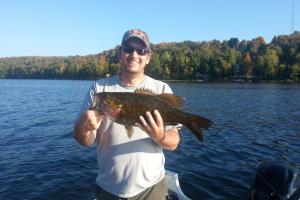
[
  {"x": 171, "y": 99},
  {"x": 144, "y": 91}
]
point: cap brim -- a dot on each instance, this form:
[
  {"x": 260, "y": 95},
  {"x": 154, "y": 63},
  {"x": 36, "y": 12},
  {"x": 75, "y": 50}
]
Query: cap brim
[{"x": 136, "y": 38}]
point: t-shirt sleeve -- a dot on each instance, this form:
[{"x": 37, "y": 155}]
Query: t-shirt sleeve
[
  {"x": 167, "y": 89},
  {"x": 88, "y": 100}
]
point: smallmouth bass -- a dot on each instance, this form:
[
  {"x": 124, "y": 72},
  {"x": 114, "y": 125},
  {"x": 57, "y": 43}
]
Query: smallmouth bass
[{"x": 135, "y": 104}]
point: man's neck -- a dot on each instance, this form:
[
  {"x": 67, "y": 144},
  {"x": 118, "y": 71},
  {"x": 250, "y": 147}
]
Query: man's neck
[{"x": 131, "y": 79}]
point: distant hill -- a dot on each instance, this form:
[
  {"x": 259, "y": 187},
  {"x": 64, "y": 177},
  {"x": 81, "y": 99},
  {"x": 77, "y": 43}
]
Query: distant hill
[{"x": 188, "y": 60}]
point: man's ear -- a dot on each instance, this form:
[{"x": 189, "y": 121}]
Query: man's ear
[{"x": 148, "y": 57}]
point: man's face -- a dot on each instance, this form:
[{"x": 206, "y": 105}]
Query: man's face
[{"x": 134, "y": 57}]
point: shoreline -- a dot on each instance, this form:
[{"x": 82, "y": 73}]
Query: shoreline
[
  {"x": 180, "y": 81},
  {"x": 233, "y": 81}
]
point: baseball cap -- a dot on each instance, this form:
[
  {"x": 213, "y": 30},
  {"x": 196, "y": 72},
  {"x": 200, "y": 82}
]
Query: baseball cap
[{"x": 136, "y": 33}]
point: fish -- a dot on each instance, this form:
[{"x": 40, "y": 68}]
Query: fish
[{"x": 131, "y": 105}]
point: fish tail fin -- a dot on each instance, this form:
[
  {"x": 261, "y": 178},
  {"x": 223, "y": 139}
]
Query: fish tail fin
[
  {"x": 196, "y": 130},
  {"x": 196, "y": 124}
]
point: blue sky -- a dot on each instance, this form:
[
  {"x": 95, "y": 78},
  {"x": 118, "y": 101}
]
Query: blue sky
[{"x": 82, "y": 27}]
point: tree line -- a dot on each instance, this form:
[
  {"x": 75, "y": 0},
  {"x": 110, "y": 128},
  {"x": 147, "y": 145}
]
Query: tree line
[{"x": 188, "y": 60}]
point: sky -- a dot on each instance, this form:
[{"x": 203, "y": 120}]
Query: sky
[{"x": 84, "y": 27}]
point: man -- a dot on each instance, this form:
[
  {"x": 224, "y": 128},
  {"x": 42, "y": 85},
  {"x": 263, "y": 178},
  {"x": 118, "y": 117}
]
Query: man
[{"x": 129, "y": 168}]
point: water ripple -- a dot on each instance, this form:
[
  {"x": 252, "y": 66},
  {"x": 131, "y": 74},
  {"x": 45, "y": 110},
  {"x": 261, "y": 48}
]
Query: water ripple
[{"x": 40, "y": 159}]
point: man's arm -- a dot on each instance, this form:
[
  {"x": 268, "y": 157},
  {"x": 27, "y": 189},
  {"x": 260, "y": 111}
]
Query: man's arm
[
  {"x": 155, "y": 128},
  {"x": 85, "y": 128}
]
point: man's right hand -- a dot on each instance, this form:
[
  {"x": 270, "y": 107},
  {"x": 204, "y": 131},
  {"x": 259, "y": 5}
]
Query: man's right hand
[
  {"x": 85, "y": 129},
  {"x": 91, "y": 120}
]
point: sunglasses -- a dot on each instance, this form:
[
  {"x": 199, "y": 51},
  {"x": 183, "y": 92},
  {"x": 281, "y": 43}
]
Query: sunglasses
[{"x": 140, "y": 51}]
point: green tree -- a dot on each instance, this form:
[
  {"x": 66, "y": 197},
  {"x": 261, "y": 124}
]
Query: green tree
[
  {"x": 295, "y": 72},
  {"x": 271, "y": 62},
  {"x": 154, "y": 67}
]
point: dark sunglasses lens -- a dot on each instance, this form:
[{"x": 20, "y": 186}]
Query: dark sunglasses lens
[
  {"x": 128, "y": 49},
  {"x": 141, "y": 51}
]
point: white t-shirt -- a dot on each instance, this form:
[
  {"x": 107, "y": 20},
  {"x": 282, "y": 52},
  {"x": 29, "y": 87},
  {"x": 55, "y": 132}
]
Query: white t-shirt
[{"x": 127, "y": 166}]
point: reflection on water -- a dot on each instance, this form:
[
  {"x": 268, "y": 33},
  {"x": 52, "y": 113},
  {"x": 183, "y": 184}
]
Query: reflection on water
[{"x": 40, "y": 160}]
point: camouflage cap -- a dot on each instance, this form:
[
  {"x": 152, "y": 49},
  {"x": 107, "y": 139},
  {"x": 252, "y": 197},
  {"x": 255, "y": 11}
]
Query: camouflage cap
[{"x": 136, "y": 33}]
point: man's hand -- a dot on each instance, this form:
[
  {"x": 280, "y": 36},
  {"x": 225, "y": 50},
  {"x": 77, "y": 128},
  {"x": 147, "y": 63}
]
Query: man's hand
[
  {"x": 85, "y": 129},
  {"x": 153, "y": 127},
  {"x": 91, "y": 120}
]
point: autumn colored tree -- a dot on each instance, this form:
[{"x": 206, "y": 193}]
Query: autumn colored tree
[
  {"x": 188, "y": 60},
  {"x": 247, "y": 65}
]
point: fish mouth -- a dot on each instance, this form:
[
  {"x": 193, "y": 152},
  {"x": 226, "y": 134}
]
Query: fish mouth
[{"x": 94, "y": 103}]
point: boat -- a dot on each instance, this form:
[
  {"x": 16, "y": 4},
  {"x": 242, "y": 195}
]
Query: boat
[
  {"x": 278, "y": 180},
  {"x": 174, "y": 190}
]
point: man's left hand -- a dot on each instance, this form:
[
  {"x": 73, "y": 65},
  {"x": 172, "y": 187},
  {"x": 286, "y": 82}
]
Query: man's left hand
[{"x": 153, "y": 127}]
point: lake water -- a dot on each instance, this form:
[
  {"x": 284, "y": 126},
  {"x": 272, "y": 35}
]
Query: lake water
[{"x": 40, "y": 160}]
